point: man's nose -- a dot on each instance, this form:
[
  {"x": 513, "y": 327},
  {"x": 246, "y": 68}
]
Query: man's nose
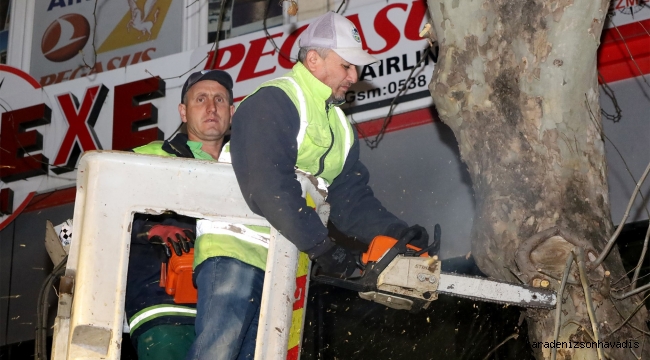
[
  {"x": 352, "y": 74},
  {"x": 212, "y": 106}
]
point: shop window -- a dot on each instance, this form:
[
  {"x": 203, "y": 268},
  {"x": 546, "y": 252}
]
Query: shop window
[
  {"x": 5, "y": 10},
  {"x": 241, "y": 17}
]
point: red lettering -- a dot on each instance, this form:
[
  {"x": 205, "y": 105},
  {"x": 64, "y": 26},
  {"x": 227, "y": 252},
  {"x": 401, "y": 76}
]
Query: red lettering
[
  {"x": 414, "y": 20},
  {"x": 255, "y": 53},
  {"x": 74, "y": 73},
  {"x": 81, "y": 120},
  {"x": 61, "y": 76},
  {"x": 16, "y": 142},
  {"x": 125, "y": 61},
  {"x": 110, "y": 65},
  {"x": 299, "y": 294},
  {"x": 6, "y": 201},
  {"x": 387, "y": 29},
  {"x": 48, "y": 80},
  {"x": 129, "y": 116},
  {"x": 237, "y": 52},
  {"x": 97, "y": 68},
  {"x": 285, "y": 50},
  {"x": 136, "y": 58},
  {"x": 145, "y": 54}
]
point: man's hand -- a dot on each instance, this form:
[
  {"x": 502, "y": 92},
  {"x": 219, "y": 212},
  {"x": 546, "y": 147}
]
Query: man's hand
[
  {"x": 172, "y": 237},
  {"x": 417, "y": 236},
  {"x": 337, "y": 260}
]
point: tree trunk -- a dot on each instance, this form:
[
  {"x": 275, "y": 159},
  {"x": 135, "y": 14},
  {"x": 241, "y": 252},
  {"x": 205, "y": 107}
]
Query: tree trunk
[{"x": 516, "y": 81}]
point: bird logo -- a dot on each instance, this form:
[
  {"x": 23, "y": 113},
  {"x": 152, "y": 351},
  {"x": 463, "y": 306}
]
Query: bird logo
[{"x": 138, "y": 17}]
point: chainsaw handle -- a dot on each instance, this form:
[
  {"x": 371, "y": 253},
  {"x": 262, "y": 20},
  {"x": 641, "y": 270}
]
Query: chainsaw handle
[
  {"x": 368, "y": 280},
  {"x": 437, "y": 234}
]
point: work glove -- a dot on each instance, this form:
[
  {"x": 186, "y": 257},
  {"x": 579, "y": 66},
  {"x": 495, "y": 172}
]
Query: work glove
[
  {"x": 416, "y": 235},
  {"x": 337, "y": 261},
  {"x": 172, "y": 238}
]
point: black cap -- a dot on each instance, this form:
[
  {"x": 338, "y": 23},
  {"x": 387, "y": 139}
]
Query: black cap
[{"x": 219, "y": 76}]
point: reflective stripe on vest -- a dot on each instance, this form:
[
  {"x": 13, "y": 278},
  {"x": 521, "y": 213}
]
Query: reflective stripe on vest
[
  {"x": 303, "y": 110},
  {"x": 153, "y": 312},
  {"x": 344, "y": 123},
  {"x": 241, "y": 232}
]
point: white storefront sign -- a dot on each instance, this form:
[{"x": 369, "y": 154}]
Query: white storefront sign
[{"x": 45, "y": 128}]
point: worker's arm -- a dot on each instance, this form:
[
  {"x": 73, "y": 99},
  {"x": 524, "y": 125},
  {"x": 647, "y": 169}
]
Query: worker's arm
[
  {"x": 264, "y": 152},
  {"x": 354, "y": 208}
]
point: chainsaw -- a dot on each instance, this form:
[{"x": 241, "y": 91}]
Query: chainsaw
[{"x": 402, "y": 276}]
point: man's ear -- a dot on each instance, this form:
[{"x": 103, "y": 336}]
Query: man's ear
[
  {"x": 312, "y": 61},
  {"x": 232, "y": 111},
  {"x": 182, "y": 111}
]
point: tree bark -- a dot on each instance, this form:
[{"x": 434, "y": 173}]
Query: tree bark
[{"x": 516, "y": 81}]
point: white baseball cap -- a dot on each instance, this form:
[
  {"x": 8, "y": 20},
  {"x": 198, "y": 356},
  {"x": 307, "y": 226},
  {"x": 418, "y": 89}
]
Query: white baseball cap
[{"x": 333, "y": 31}]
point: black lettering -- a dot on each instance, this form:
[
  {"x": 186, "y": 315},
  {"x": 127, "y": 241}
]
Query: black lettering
[
  {"x": 405, "y": 65},
  {"x": 367, "y": 71},
  {"x": 431, "y": 56},
  {"x": 392, "y": 63},
  {"x": 374, "y": 93}
]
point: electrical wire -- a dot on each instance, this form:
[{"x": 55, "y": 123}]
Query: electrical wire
[
  {"x": 268, "y": 36},
  {"x": 40, "y": 343},
  {"x": 374, "y": 143}
]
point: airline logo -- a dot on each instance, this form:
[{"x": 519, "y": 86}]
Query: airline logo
[
  {"x": 65, "y": 37},
  {"x": 140, "y": 23}
]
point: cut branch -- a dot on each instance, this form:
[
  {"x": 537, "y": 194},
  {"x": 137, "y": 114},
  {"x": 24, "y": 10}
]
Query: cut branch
[
  {"x": 588, "y": 300},
  {"x": 558, "y": 306},
  {"x": 611, "y": 241}
]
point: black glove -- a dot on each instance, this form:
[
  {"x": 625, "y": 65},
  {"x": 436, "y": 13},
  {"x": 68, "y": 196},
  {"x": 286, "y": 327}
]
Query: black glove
[
  {"x": 172, "y": 237},
  {"x": 416, "y": 235},
  {"x": 337, "y": 261}
]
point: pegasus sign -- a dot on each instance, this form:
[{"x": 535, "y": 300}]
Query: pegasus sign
[{"x": 105, "y": 35}]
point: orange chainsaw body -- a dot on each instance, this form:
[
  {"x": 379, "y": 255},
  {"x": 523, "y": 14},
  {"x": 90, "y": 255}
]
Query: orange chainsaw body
[{"x": 380, "y": 245}]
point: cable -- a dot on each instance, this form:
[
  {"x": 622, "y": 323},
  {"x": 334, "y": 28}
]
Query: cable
[
  {"x": 373, "y": 143},
  {"x": 268, "y": 36},
  {"x": 222, "y": 10},
  {"x": 40, "y": 343}
]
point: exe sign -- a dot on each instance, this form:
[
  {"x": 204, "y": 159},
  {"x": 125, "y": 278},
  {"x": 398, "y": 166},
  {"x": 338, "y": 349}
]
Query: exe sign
[{"x": 27, "y": 114}]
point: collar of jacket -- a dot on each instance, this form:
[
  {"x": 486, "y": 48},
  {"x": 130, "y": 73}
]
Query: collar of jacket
[
  {"x": 310, "y": 85},
  {"x": 178, "y": 146}
]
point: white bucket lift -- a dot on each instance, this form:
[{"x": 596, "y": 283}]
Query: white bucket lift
[{"x": 111, "y": 187}]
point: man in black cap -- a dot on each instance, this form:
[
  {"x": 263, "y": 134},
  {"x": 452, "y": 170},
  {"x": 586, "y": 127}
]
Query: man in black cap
[{"x": 160, "y": 328}]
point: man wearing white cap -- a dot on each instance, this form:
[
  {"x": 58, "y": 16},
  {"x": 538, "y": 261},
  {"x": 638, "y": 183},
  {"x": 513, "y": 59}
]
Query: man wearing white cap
[{"x": 294, "y": 122}]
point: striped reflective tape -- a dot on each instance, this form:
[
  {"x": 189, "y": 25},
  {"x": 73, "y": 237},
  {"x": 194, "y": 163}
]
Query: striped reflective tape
[
  {"x": 303, "y": 110},
  {"x": 348, "y": 136},
  {"x": 241, "y": 232},
  {"x": 153, "y": 312}
]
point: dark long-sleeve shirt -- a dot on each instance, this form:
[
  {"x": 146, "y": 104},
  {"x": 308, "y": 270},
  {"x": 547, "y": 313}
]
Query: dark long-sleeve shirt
[{"x": 264, "y": 151}]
